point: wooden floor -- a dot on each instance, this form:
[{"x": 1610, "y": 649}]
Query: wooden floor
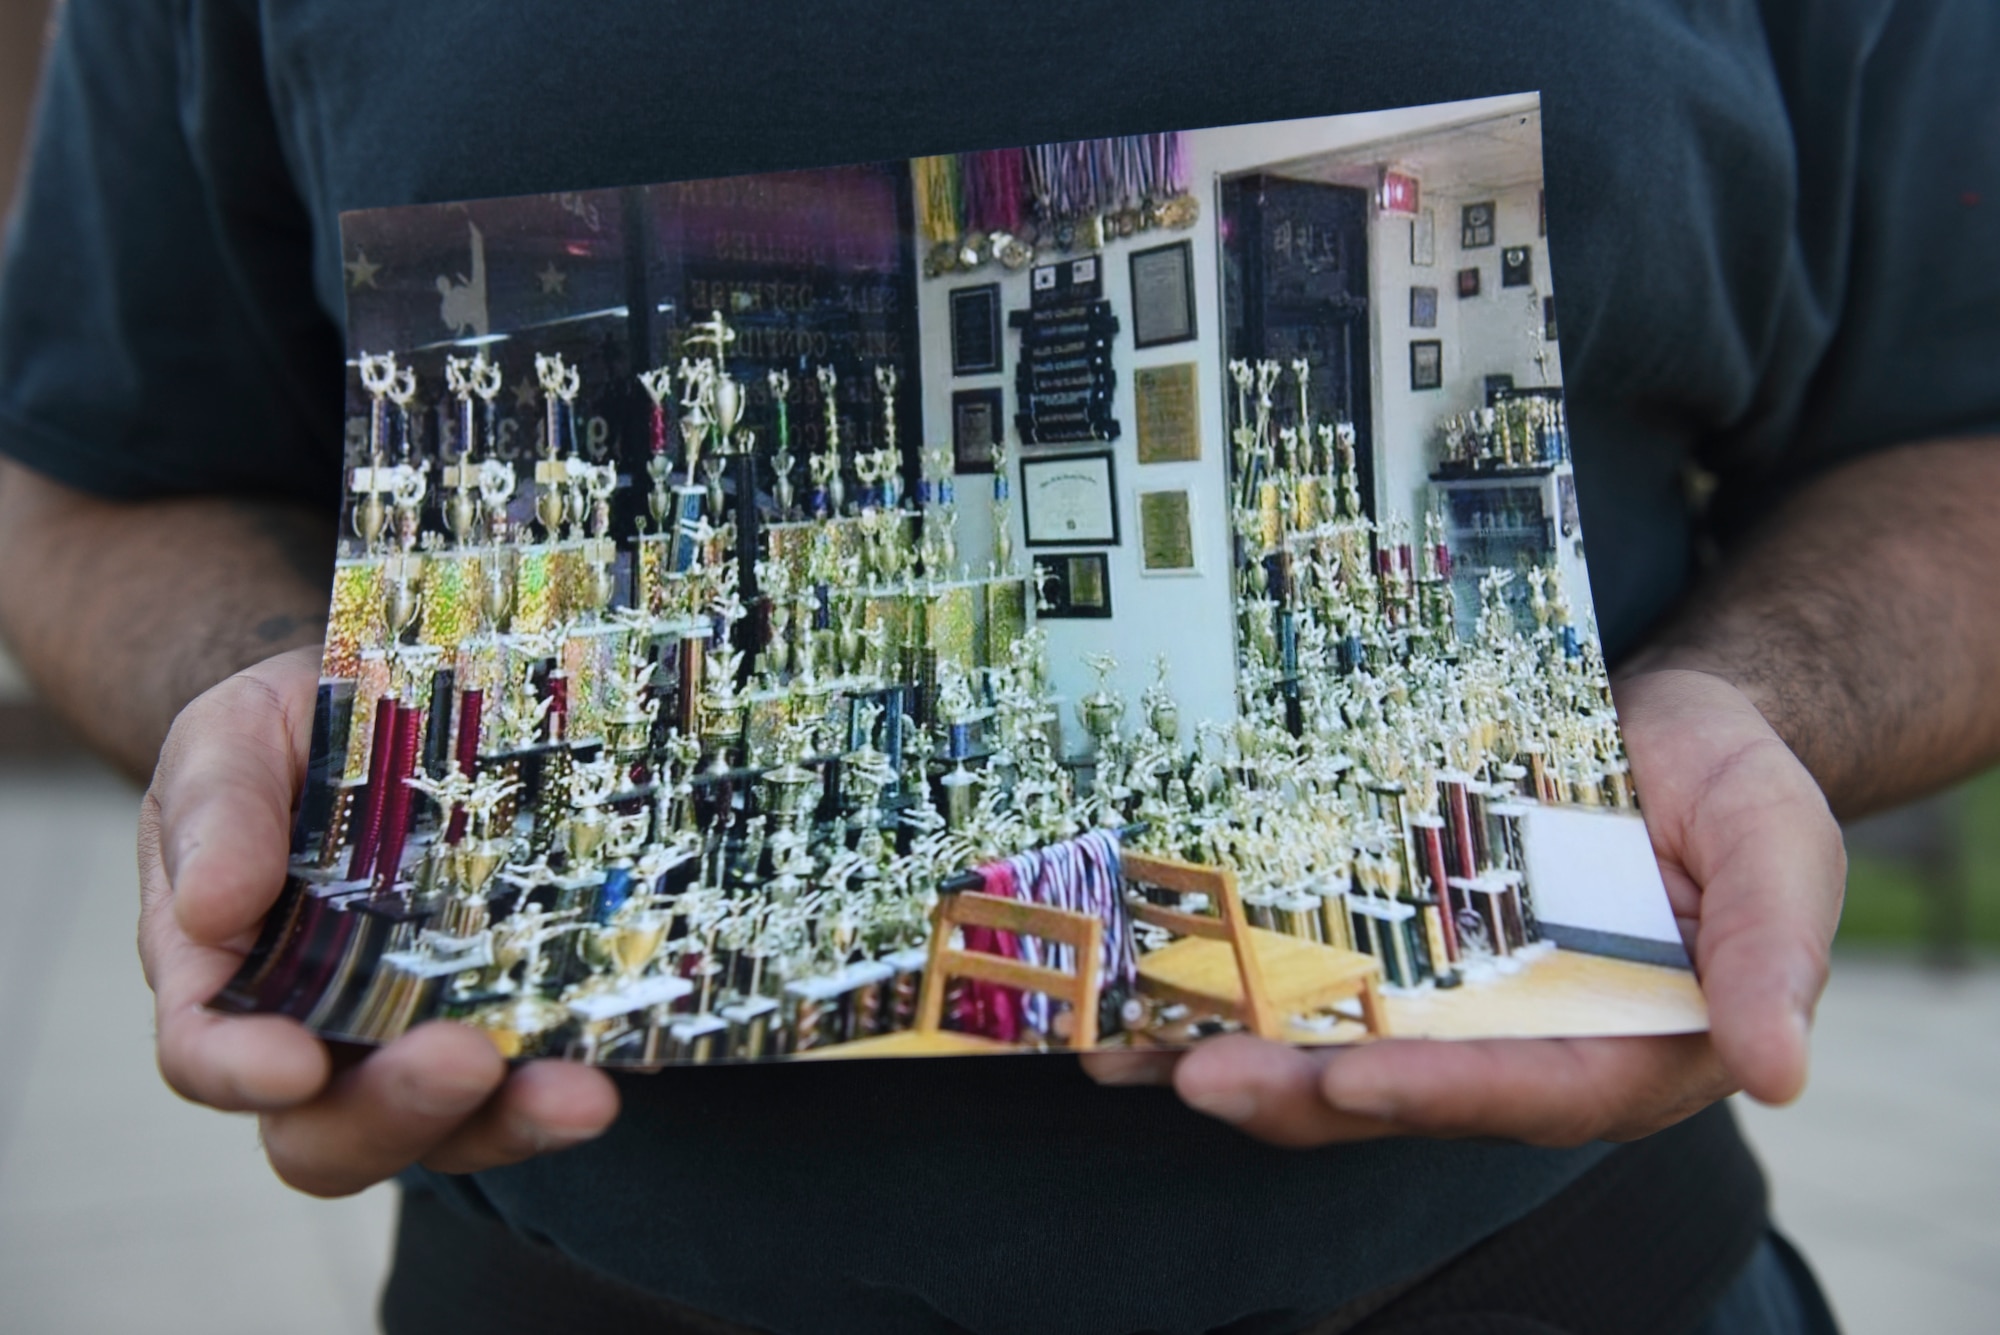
[{"x": 1562, "y": 993}]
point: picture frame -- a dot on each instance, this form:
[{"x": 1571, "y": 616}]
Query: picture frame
[
  {"x": 978, "y": 423},
  {"x": 1475, "y": 224},
  {"x": 1423, "y": 308},
  {"x": 1423, "y": 239},
  {"x": 977, "y": 347},
  {"x": 1468, "y": 283},
  {"x": 1549, "y": 319},
  {"x": 1071, "y": 586},
  {"x": 1163, "y": 295},
  {"x": 1426, "y": 364},
  {"x": 1517, "y": 266},
  {"x": 1069, "y": 500},
  {"x": 1166, "y": 533}
]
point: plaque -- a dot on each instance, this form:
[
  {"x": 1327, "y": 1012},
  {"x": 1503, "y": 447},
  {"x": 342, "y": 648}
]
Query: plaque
[
  {"x": 975, "y": 330},
  {"x": 1072, "y": 586},
  {"x": 1169, "y": 422},
  {"x": 976, "y": 427},
  {"x": 1166, "y": 533}
]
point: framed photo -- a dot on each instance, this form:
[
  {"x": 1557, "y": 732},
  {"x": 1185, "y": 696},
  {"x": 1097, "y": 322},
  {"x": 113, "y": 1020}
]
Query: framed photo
[
  {"x": 1475, "y": 225},
  {"x": 1163, "y": 295},
  {"x": 1424, "y": 239},
  {"x": 1069, "y": 500},
  {"x": 1072, "y": 585},
  {"x": 1549, "y": 318},
  {"x": 1517, "y": 266},
  {"x": 976, "y": 427},
  {"x": 1542, "y": 211},
  {"x": 975, "y": 330},
  {"x": 1426, "y": 363},
  {"x": 1468, "y": 283},
  {"x": 1164, "y": 398},
  {"x": 1423, "y": 308},
  {"x": 1166, "y": 533}
]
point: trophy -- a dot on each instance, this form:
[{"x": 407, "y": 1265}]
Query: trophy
[
  {"x": 461, "y": 506},
  {"x": 560, "y": 382},
  {"x": 781, "y": 462},
  {"x": 888, "y": 459},
  {"x": 659, "y": 387},
  {"x": 829, "y": 493}
]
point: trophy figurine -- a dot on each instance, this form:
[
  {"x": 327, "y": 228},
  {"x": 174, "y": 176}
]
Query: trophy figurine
[{"x": 659, "y": 386}]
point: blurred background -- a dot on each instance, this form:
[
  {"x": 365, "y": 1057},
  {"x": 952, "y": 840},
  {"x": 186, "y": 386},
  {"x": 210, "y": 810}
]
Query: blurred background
[{"x": 123, "y": 1208}]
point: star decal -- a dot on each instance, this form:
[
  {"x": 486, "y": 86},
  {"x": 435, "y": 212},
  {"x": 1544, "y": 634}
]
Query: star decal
[
  {"x": 524, "y": 393},
  {"x": 361, "y": 271},
  {"x": 552, "y": 280}
]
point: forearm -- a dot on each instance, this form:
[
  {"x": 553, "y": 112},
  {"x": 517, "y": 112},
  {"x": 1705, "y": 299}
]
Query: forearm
[
  {"x": 123, "y": 612},
  {"x": 1864, "y": 622}
]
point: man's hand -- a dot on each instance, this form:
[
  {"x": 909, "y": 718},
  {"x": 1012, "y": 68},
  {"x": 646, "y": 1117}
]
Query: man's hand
[
  {"x": 213, "y": 835},
  {"x": 1755, "y": 869}
]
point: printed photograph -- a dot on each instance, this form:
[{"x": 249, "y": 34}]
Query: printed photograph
[{"x": 700, "y": 685}]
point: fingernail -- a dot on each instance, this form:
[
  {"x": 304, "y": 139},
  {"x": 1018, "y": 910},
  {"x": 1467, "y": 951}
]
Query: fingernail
[
  {"x": 1138, "y": 1071},
  {"x": 548, "y": 1139},
  {"x": 1362, "y": 1100},
  {"x": 1228, "y": 1105}
]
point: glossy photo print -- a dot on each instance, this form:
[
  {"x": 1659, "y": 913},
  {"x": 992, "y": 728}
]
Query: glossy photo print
[{"x": 1003, "y": 602}]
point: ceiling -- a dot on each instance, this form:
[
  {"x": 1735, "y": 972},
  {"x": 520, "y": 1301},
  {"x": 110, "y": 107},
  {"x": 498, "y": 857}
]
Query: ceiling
[{"x": 1478, "y": 157}]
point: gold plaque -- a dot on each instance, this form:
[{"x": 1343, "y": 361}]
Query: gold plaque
[
  {"x": 1166, "y": 533},
  {"x": 1169, "y": 420}
]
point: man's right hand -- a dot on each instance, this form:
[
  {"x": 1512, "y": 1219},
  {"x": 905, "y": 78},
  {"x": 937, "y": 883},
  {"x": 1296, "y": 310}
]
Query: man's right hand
[{"x": 214, "y": 831}]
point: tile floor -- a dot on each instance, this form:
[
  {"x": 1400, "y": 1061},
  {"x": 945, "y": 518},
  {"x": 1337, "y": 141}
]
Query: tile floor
[{"x": 124, "y": 1209}]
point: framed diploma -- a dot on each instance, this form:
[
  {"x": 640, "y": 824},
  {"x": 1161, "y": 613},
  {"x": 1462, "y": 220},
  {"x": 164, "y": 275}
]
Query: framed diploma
[
  {"x": 1169, "y": 418},
  {"x": 1166, "y": 533},
  {"x": 975, "y": 330},
  {"x": 1069, "y": 500},
  {"x": 1163, "y": 295}
]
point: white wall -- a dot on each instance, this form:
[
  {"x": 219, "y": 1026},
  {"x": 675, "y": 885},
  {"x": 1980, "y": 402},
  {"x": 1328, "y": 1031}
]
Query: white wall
[
  {"x": 1191, "y": 619},
  {"x": 1489, "y": 334}
]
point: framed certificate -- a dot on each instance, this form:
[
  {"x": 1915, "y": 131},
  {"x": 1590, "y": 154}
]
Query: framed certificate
[
  {"x": 1163, "y": 295},
  {"x": 1070, "y": 500}
]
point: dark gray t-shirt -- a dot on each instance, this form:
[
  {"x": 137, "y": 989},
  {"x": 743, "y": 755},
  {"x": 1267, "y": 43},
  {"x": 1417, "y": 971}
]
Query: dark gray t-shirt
[{"x": 1773, "y": 224}]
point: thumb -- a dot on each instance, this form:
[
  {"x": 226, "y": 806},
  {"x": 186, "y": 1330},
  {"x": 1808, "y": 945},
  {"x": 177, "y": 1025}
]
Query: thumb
[
  {"x": 224, "y": 789},
  {"x": 1767, "y": 853}
]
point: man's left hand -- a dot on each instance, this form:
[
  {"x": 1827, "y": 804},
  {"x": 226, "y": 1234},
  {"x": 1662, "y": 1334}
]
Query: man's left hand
[{"x": 1755, "y": 868}]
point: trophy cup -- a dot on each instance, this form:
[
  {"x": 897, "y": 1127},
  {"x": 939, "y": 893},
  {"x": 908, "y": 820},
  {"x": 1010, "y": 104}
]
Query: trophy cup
[{"x": 1100, "y": 713}]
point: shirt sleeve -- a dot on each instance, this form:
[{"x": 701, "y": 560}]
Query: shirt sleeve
[{"x": 144, "y": 349}]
